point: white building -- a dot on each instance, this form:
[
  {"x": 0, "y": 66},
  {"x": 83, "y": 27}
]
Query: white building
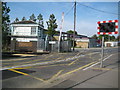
[
  {"x": 24, "y": 35},
  {"x": 24, "y": 29},
  {"x": 111, "y": 44}
]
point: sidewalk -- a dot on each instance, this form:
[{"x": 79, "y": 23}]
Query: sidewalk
[{"x": 105, "y": 79}]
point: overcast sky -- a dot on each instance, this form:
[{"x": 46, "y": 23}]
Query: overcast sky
[{"x": 87, "y": 16}]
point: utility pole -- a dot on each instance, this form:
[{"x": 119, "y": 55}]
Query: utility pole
[
  {"x": 59, "y": 42},
  {"x": 74, "y": 25}
]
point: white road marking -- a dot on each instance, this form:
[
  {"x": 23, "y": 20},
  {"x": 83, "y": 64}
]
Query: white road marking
[
  {"x": 45, "y": 63},
  {"x": 97, "y": 63}
]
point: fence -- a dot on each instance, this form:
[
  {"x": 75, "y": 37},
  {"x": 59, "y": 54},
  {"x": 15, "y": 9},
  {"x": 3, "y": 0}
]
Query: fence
[
  {"x": 53, "y": 46},
  {"x": 41, "y": 45}
]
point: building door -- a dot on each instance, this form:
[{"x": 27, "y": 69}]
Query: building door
[{"x": 108, "y": 45}]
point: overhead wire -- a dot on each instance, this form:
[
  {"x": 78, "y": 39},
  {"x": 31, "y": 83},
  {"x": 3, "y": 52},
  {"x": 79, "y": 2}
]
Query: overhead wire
[
  {"x": 98, "y": 9},
  {"x": 69, "y": 10}
]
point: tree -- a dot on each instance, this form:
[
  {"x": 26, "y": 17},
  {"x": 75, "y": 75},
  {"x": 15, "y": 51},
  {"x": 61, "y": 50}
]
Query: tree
[
  {"x": 40, "y": 20},
  {"x": 118, "y": 38},
  {"x": 112, "y": 38},
  {"x": 71, "y": 32},
  {"x": 16, "y": 20},
  {"x": 32, "y": 17},
  {"x": 106, "y": 37},
  {"x": 5, "y": 26},
  {"x": 41, "y": 26},
  {"x": 23, "y": 19},
  {"x": 94, "y": 36},
  {"x": 52, "y": 25}
]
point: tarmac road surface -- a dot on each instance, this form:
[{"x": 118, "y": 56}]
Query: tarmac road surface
[{"x": 49, "y": 70}]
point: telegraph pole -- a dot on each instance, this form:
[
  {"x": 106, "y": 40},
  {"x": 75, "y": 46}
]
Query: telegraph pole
[
  {"x": 59, "y": 42},
  {"x": 74, "y": 25}
]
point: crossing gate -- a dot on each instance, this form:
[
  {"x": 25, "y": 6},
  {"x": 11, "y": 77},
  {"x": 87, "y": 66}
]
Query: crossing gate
[{"x": 52, "y": 46}]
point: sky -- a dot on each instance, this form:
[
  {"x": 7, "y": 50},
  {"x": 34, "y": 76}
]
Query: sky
[{"x": 86, "y": 18}]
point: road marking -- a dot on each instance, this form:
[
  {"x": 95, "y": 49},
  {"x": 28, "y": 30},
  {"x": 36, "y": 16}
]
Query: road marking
[
  {"x": 78, "y": 58},
  {"x": 31, "y": 61},
  {"x": 45, "y": 66},
  {"x": 93, "y": 57},
  {"x": 78, "y": 53},
  {"x": 15, "y": 59},
  {"x": 43, "y": 63},
  {"x": 73, "y": 62},
  {"x": 26, "y": 74},
  {"x": 26, "y": 59},
  {"x": 57, "y": 74},
  {"x": 86, "y": 66},
  {"x": 18, "y": 72},
  {"x": 97, "y": 62},
  {"x": 35, "y": 60},
  {"x": 51, "y": 65},
  {"x": 24, "y": 54},
  {"x": 41, "y": 66},
  {"x": 23, "y": 68},
  {"x": 79, "y": 68},
  {"x": 102, "y": 68}
]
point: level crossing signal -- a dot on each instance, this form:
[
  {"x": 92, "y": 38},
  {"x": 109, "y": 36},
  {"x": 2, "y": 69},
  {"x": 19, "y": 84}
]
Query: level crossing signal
[{"x": 107, "y": 27}]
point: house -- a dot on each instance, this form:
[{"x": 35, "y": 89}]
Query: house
[
  {"x": 83, "y": 41},
  {"x": 94, "y": 43},
  {"x": 111, "y": 44},
  {"x": 28, "y": 36},
  {"x": 64, "y": 36},
  {"x": 25, "y": 36}
]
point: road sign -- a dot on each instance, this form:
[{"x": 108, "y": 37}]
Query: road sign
[
  {"x": 107, "y": 27},
  {"x": 52, "y": 42}
]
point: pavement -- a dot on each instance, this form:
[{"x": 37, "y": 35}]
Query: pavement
[{"x": 105, "y": 79}]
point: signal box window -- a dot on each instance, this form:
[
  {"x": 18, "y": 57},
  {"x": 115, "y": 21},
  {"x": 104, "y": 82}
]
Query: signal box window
[{"x": 33, "y": 30}]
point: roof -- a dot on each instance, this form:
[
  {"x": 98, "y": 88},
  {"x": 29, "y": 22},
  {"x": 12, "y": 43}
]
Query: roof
[
  {"x": 80, "y": 36},
  {"x": 24, "y": 22}
]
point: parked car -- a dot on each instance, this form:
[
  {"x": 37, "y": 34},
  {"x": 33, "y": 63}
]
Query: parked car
[{"x": 98, "y": 45}]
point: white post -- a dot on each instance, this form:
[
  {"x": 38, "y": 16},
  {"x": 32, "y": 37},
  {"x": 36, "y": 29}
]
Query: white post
[
  {"x": 59, "y": 41},
  {"x": 46, "y": 41},
  {"x": 102, "y": 54}
]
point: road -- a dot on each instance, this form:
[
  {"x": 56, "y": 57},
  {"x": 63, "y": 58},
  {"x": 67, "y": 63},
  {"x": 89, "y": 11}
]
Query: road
[{"x": 49, "y": 70}]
